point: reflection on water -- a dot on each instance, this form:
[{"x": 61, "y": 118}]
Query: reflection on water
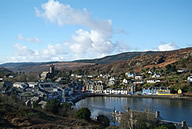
[{"x": 173, "y": 110}]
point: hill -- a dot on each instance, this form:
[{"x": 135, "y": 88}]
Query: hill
[
  {"x": 134, "y": 61},
  {"x": 181, "y": 58},
  {"x": 44, "y": 66},
  {"x": 15, "y": 115},
  {"x": 118, "y": 57},
  {"x": 4, "y": 72}
]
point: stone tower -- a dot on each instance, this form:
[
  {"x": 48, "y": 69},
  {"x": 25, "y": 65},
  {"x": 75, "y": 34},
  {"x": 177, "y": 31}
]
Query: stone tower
[{"x": 52, "y": 70}]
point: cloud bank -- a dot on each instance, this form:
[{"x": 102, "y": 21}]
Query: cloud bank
[
  {"x": 167, "y": 47},
  {"x": 93, "y": 42},
  {"x": 25, "y": 54}
]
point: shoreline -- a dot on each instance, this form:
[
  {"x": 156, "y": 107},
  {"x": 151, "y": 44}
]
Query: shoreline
[{"x": 85, "y": 95}]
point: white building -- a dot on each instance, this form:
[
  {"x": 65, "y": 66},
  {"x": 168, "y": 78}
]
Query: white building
[
  {"x": 20, "y": 85},
  {"x": 156, "y": 76},
  {"x": 125, "y": 81},
  {"x": 32, "y": 84},
  {"x": 138, "y": 77},
  {"x": 153, "y": 81},
  {"x": 189, "y": 78},
  {"x": 115, "y": 91}
]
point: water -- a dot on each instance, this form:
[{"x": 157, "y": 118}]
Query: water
[{"x": 170, "y": 109}]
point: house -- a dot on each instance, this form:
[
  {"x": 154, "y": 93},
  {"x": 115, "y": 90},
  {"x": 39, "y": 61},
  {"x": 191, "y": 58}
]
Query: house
[
  {"x": 179, "y": 92},
  {"x": 110, "y": 83},
  {"x": 119, "y": 91},
  {"x": 132, "y": 88},
  {"x": 33, "y": 84},
  {"x": 153, "y": 81},
  {"x": 150, "y": 72},
  {"x": 130, "y": 75},
  {"x": 138, "y": 77},
  {"x": 125, "y": 81},
  {"x": 26, "y": 96},
  {"x": 12, "y": 76},
  {"x": 108, "y": 91},
  {"x": 156, "y": 91},
  {"x": 156, "y": 76},
  {"x": 89, "y": 86},
  {"x": 149, "y": 91},
  {"x": 112, "y": 79},
  {"x": 138, "y": 82},
  {"x": 189, "y": 78},
  {"x": 20, "y": 85},
  {"x": 1, "y": 79},
  {"x": 115, "y": 91},
  {"x": 79, "y": 76},
  {"x": 163, "y": 91},
  {"x": 99, "y": 86},
  {"x": 182, "y": 70},
  {"x": 90, "y": 76}
]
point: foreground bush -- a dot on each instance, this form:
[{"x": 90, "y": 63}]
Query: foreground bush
[
  {"x": 103, "y": 120},
  {"x": 53, "y": 106},
  {"x": 83, "y": 113}
]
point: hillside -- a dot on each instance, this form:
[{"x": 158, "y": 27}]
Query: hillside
[
  {"x": 180, "y": 58},
  {"x": 44, "y": 66},
  {"x": 114, "y": 58},
  {"x": 40, "y": 67},
  {"x": 18, "y": 116},
  {"x": 134, "y": 61},
  {"x": 4, "y": 72}
]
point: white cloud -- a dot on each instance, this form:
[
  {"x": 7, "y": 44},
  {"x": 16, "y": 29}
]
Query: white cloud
[
  {"x": 51, "y": 53},
  {"x": 167, "y": 47},
  {"x": 164, "y": 47},
  {"x": 94, "y": 42},
  {"x": 35, "y": 39}
]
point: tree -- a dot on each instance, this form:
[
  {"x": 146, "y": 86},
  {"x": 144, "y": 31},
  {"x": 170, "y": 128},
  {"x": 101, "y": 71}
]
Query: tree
[
  {"x": 53, "y": 106},
  {"x": 83, "y": 113},
  {"x": 104, "y": 120}
]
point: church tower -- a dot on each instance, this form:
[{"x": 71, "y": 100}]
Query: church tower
[{"x": 52, "y": 70}]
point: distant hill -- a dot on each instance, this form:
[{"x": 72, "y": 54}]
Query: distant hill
[
  {"x": 118, "y": 57},
  {"x": 110, "y": 64},
  {"x": 181, "y": 58}
]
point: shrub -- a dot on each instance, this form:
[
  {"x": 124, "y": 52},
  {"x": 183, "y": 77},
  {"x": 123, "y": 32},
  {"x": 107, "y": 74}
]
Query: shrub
[
  {"x": 53, "y": 106},
  {"x": 104, "y": 120},
  {"x": 83, "y": 113}
]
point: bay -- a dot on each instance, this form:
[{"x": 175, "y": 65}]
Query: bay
[{"x": 170, "y": 109}]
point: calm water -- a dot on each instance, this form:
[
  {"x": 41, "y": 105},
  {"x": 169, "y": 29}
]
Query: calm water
[{"x": 173, "y": 110}]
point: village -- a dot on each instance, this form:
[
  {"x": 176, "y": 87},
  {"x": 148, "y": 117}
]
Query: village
[{"x": 81, "y": 86}]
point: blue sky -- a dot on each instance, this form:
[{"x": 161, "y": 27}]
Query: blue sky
[{"x": 65, "y": 30}]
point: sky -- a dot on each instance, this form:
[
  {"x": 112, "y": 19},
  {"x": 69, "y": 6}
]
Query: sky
[{"x": 66, "y": 30}]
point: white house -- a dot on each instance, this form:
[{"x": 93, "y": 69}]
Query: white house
[
  {"x": 156, "y": 76},
  {"x": 138, "y": 82},
  {"x": 138, "y": 77},
  {"x": 32, "y": 84},
  {"x": 79, "y": 76},
  {"x": 125, "y": 81},
  {"x": 112, "y": 79},
  {"x": 153, "y": 81},
  {"x": 182, "y": 70},
  {"x": 115, "y": 91},
  {"x": 20, "y": 85},
  {"x": 149, "y": 72},
  {"x": 189, "y": 78}
]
